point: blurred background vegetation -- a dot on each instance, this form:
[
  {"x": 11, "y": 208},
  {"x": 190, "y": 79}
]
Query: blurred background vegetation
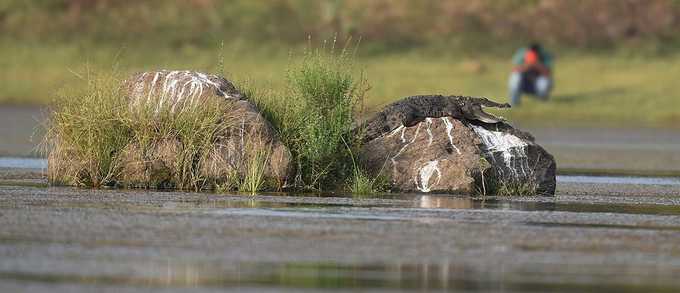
[{"x": 616, "y": 61}]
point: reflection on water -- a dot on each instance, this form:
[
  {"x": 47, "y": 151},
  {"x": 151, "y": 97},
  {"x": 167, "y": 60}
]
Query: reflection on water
[
  {"x": 38, "y": 163},
  {"x": 330, "y": 275},
  {"x": 449, "y": 202},
  {"x": 233, "y": 203},
  {"x": 464, "y": 267},
  {"x": 282, "y": 206}
]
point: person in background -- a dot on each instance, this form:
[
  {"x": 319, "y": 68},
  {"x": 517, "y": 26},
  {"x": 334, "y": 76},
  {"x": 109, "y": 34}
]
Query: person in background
[{"x": 532, "y": 73}]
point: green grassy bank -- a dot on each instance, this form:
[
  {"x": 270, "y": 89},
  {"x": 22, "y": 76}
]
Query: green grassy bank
[
  {"x": 609, "y": 89},
  {"x": 616, "y": 64}
]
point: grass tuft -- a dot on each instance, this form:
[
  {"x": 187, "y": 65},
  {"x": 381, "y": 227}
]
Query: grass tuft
[
  {"x": 361, "y": 183},
  {"x": 517, "y": 187},
  {"x": 315, "y": 113},
  {"x": 493, "y": 181},
  {"x": 96, "y": 138},
  {"x": 254, "y": 180},
  {"x": 178, "y": 139},
  {"x": 86, "y": 133},
  {"x": 152, "y": 146}
]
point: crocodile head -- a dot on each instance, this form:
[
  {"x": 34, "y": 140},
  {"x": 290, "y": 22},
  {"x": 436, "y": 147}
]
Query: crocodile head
[{"x": 473, "y": 109}]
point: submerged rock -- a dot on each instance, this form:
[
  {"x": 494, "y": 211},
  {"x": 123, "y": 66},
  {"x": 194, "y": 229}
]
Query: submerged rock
[{"x": 448, "y": 144}]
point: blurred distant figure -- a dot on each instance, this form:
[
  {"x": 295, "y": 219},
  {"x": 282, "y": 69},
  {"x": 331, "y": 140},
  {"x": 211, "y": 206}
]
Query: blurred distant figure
[{"x": 531, "y": 74}]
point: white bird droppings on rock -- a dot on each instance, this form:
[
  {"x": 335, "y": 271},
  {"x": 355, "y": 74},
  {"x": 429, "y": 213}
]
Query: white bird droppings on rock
[
  {"x": 174, "y": 89},
  {"x": 403, "y": 139},
  {"x": 429, "y": 132},
  {"x": 426, "y": 172},
  {"x": 510, "y": 146},
  {"x": 449, "y": 128}
]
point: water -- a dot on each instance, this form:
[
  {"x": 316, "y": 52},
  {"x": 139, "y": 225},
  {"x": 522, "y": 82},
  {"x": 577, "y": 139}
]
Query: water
[
  {"x": 323, "y": 276},
  {"x": 400, "y": 208},
  {"x": 619, "y": 180},
  {"x": 78, "y": 240},
  {"x": 38, "y": 163},
  {"x": 22, "y": 163}
]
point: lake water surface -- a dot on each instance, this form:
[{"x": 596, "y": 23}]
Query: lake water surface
[{"x": 62, "y": 239}]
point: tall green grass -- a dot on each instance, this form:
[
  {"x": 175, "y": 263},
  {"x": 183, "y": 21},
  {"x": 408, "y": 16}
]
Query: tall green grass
[
  {"x": 254, "y": 179},
  {"x": 87, "y": 133},
  {"x": 95, "y": 138},
  {"x": 314, "y": 114},
  {"x": 361, "y": 182},
  {"x": 182, "y": 139},
  {"x": 146, "y": 146}
]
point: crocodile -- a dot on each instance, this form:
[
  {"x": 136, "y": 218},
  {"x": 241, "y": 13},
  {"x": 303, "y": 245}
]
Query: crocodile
[{"x": 412, "y": 110}]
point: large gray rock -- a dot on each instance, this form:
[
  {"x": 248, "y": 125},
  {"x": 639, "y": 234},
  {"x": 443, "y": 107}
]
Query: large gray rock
[
  {"x": 237, "y": 145},
  {"x": 175, "y": 90},
  {"x": 457, "y": 153},
  {"x": 234, "y": 147},
  {"x": 436, "y": 155}
]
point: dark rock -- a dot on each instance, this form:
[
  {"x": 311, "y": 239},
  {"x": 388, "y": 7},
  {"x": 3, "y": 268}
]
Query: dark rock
[
  {"x": 453, "y": 150},
  {"x": 516, "y": 158},
  {"x": 436, "y": 155}
]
